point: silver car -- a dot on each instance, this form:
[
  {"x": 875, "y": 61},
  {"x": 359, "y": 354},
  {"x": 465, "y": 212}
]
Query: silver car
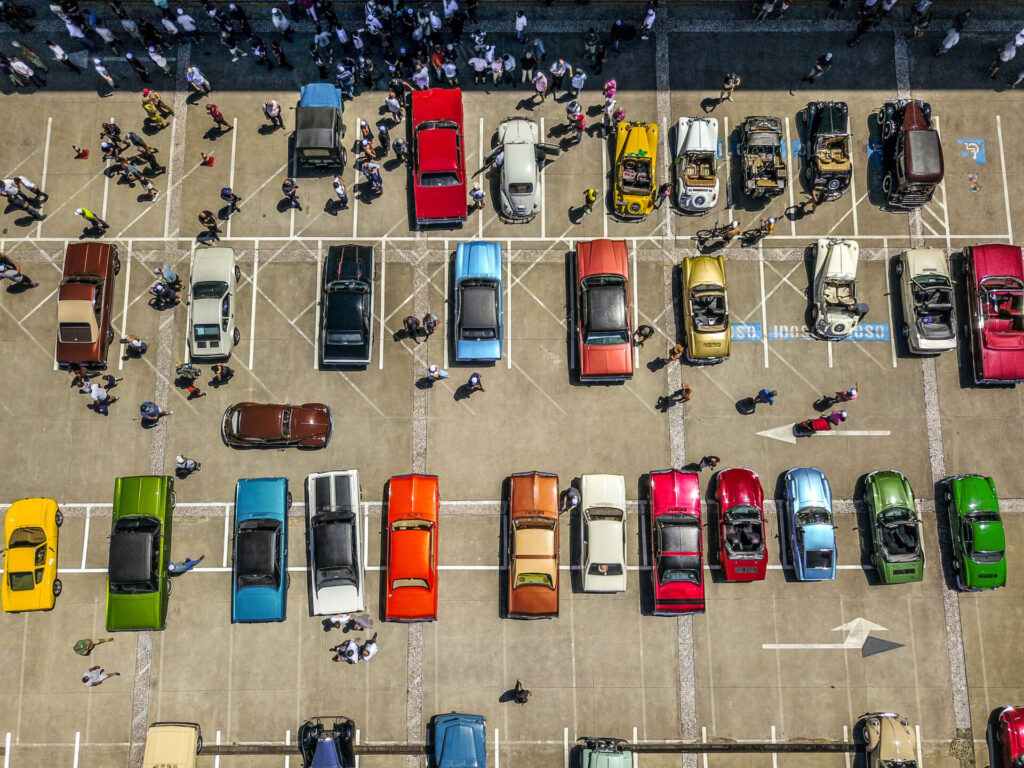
[
  {"x": 213, "y": 283},
  {"x": 522, "y": 158}
]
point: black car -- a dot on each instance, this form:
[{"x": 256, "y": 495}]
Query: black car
[
  {"x": 346, "y": 306},
  {"x": 329, "y": 747},
  {"x": 829, "y": 149}
]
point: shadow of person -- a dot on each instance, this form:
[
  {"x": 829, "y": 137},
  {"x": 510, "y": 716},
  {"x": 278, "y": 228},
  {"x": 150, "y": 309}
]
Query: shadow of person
[
  {"x": 424, "y": 382},
  {"x": 657, "y": 364},
  {"x": 746, "y": 406},
  {"x": 824, "y": 403},
  {"x": 507, "y": 696},
  {"x": 709, "y": 104},
  {"x": 796, "y": 212},
  {"x": 665, "y": 402},
  {"x": 527, "y": 103},
  {"x": 576, "y": 214},
  {"x": 463, "y": 392}
]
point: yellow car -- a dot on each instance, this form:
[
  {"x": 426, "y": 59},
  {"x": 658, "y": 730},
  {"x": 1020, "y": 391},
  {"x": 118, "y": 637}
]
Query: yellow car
[
  {"x": 30, "y": 580},
  {"x": 636, "y": 158},
  {"x": 705, "y": 309}
]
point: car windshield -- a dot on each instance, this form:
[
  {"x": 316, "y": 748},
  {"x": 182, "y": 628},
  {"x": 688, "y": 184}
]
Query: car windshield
[
  {"x": 521, "y": 188},
  {"x": 21, "y": 581},
  {"x": 741, "y": 512},
  {"x": 27, "y": 537},
  {"x": 987, "y": 557},
  {"x": 982, "y": 516},
  {"x": 207, "y": 332},
  {"x": 812, "y": 515},
  {"x": 348, "y": 286},
  {"x": 895, "y": 516},
  {"x": 420, "y": 583},
  {"x": 341, "y": 338},
  {"x": 900, "y": 763},
  {"x": 818, "y": 559},
  {"x": 209, "y": 289},
  {"x": 439, "y": 179},
  {"x": 333, "y": 577},
  {"x": 931, "y": 281},
  {"x": 411, "y": 524},
  {"x": 605, "y": 569},
  {"x": 71, "y": 333},
  {"x": 535, "y": 579}
]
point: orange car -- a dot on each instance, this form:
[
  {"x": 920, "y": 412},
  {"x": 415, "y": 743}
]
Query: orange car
[
  {"x": 533, "y": 546},
  {"x": 413, "y": 503}
]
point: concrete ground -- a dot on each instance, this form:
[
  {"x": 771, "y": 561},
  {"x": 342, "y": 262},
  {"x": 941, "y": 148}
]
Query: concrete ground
[{"x": 605, "y": 666}]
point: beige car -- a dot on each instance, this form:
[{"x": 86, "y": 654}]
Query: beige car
[
  {"x": 889, "y": 741},
  {"x": 705, "y": 309},
  {"x": 929, "y": 319},
  {"x": 172, "y": 745}
]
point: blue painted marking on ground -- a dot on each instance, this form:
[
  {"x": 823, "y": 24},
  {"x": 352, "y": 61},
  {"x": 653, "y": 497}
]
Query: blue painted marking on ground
[
  {"x": 870, "y": 332},
  {"x": 745, "y": 331},
  {"x": 874, "y": 152},
  {"x": 862, "y": 332},
  {"x": 721, "y": 149},
  {"x": 734, "y": 148},
  {"x": 973, "y": 148}
]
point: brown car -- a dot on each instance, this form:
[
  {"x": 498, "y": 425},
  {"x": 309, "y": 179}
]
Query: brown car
[
  {"x": 259, "y": 425},
  {"x": 84, "y": 300},
  {"x": 533, "y": 546}
]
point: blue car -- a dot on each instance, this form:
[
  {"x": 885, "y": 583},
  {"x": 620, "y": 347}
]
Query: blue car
[
  {"x": 478, "y": 310},
  {"x": 460, "y": 741},
  {"x": 259, "y": 575},
  {"x": 812, "y": 537}
]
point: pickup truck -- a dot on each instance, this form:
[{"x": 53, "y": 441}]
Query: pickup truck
[{"x": 318, "y": 128}]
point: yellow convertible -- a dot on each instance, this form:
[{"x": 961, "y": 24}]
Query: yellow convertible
[
  {"x": 705, "y": 309},
  {"x": 636, "y": 158},
  {"x": 30, "y": 580}
]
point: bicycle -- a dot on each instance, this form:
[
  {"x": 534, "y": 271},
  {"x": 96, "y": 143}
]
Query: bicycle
[
  {"x": 764, "y": 228},
  {"x": 725, "y": 232}
]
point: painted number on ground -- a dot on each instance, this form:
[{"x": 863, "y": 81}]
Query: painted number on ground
[
  {"x": 862, "y": 332},
  {"x": 870, "y": 332},
  {"x": 973, "y": 148},
  {"x": 745, "y": 331},
  {"x": 788, "y": 332}
]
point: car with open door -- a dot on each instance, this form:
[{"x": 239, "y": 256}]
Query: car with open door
[
  {"x": 523, "y": 157},
  {"x": 835, "y": 311},
  {"x": 911, "y": 153}
]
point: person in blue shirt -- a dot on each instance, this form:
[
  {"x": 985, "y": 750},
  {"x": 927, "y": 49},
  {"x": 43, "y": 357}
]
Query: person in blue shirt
[{"x": 765, "y": 397}]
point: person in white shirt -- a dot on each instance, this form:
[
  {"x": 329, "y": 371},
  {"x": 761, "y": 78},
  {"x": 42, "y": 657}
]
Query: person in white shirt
[
  {"x": 480, "y": 67},
  {"x": 95, "y": 675},
  {"x": 521, "y": 22},
  {"x": 558, "y": 72},
  {"x": 450, "y": 7},
  {"x": 369, "y": 649},
  {"x": 579, "y": 78},
  {"x": 508, "y": 67},
  {"x": 187, "y": 24},
  {"x": 421, "y": 77},
  {"x": 450, "y": 74},
  {"x": 350, "y": 652},
  {"x": 339, "y": 620},
  {"x": 648, "y": 23}
]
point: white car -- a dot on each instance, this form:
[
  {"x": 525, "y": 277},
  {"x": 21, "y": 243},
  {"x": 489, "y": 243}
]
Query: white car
[
  {"x": 834, "y": 308},
  {"x": 334, "y": 528},
  {"x": 523, "y": 157},
  {"x": 603, "y": 530},
  {"x": 696, "y": 163},
  {"x": 929, "y": 319},
  {"x": 212, "y": 285}
]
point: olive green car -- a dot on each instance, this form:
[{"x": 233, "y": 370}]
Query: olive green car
[
  {"x": 138, "y": 584},
  {"x": 705, "y": 309},
  {"x": 895, "y": 523},
  {"x": 976, "y": 528}
]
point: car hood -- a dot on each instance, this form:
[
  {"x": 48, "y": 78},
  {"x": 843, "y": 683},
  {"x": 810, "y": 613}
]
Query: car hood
[
  {"x": 836, "y": 258},
  {"x": 258, "y": 604},
  {"x": 889, "y": 490},
  {"x": 926, "y": 261},
  {"x": 639, "y": 140},
  {"x": 478, "y": 259},
  {"x": 518, "y": 131},
  {"x": 739, "y": 486},
  {"x": 215, "y": 264},
  {"x": 697, "y": 134},
  {"x": 603, "y": 491},
  {"x": 807, "y": 487},
  {"x": 615, "y": 359},
  {"x": 460, "y": 741}
]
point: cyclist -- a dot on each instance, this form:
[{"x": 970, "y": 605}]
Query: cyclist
[
  {"x": 730, "y": 231},
  {"x": 767, "y": 226}
]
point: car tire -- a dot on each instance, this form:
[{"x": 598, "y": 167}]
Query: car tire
[
  {"x": 288, "y": 500},
  {"x": 237, "y": 336},
  {"x": 199, "y": 744},
  {"x": 814, "y": 314},
  {"x": 170, "y": 585},
  {"x": 238, "y": 273},
  {"x": 117, "y": 264},
  {"x": 864, "y": 735},
  {"x": 898, "y": 268},
  {"x": 905, "y": 330},
  {"x": 58, "y": 518},
  {"x": 956, "y": 568},
  {"x": 174, "y": 499},
  {"x": 888, "y": 128},
  {"x": 887, "y": 184},
  {"x": 880, "y": 116},
  {"x": 110, "y": 336},
  {"x": 873, "y": 559},
  {"x": 58, "y": 587},
  {"x": 947, "y": 497}
]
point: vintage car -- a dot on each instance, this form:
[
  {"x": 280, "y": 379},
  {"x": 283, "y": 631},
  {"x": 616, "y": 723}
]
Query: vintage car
[
  {"x": 533, "y": 546},
  {"x": 895, "y": 526},
  {"x": 705, "y": 309},
  {"x": 478, "y": 297},
  {"x": 411, "y": 577},
  {"x": 172, "y": 744},
  {"x": 346, "y": 305},
  {"x": 323, "y": 746},
  {"x": 829, "y": 149},
  {"x": 888, "y": 741},
  {"x": 911, "y": 153},
  {"x": 742, "y": 551},
  {"x": 30, "y": 580},
  {"x": 995, "y": 299},
  {"x": 812, "y": 536},
  {"x": 604, "y": 336},
  {"x": 929, "y": 317},
  {"x": 258, "y": 425},
  {"x": 439, "y": 157},
  {"x": 696, "y": 164},
  {"x": 523, "y": 158},
  {"x": 603, "y": 533},
  {"x": 259, "y": 568},
  {"x": 334, "y": 531},
  {"x": 605, "y": 753},
  {"x": 84, "y": 301},
  {"x": 834, "y": 308},
  {"x": 762, "y": 154},
  {"x": 459, "y": 741},
  {"x": 1009, "y": 738},
  {"x": 677, "y": 560},
  {"x": 138, "y": 583},
  {"x": 976, "y": 529},
  {"x": 212, "y": 287},
  {"x": 636, "y": 164},
  {"x": 319, "y": 131}
]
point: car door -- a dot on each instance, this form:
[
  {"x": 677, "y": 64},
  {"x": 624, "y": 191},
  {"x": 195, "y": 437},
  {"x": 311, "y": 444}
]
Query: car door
[{"x": 546, "y": 153}]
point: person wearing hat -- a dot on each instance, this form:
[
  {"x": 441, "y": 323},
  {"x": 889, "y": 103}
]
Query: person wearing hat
[
  {"x": 153, "y": 115},
  {"x": 138, "y": 66},
  {"x": 184, "y": 466},
  {"x": 837, "y": 417},
  {"x": 477, "y": 195},
  {"x": 436, "y": 374},
  {"x": 101, "y": 70},
  {"x": 821, "y": 66},
  {"x": 281, "y": 25},
  {"x": 176, "y": 569},
  {"x": 160, "y": 60},
  {"x": 92, "y": 218},
  {"x": 157, "y": 101}
]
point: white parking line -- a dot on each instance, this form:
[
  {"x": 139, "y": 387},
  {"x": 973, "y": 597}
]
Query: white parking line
[
  {"x": 775, "y": 755},
  {"x": 366, "y": 538},
  {"x": 106, "y": 185},
  {"x": 383, "y": 295},
  {"x": 856, "y": 202},
  {"x": 78, "y": 743},
  {"x": 543, "y": 193},
  {"x": 1006, "y": 189},
  {"x": 497, "y": 750},
  {"x": 124, "y": 309},
  {"x": 846, "y": 737},
  {"x": 764, "y": 300},
  {"x": 7, "y": 750},
  {"x": 446, "y": 268},
  {"x": 255, "y": 279},
  {"x": 85, "y": 536},
  {"x": 704, "y": 739},
  {"x": 46, "y": 163},
  {"x": 636, "y": 310},
  {"x": 920, "y": 759},
  {"x": 40, "y": 304},
  {"x": 794, "y": 172},
  {"x": 319, "y": 300},
  {"x": 358, "y": 739},
  {"x": 604, "y": 185},
  {"x": 480, "y": 154},
  {"x": 565, "y": 747},
  {"x": 216, "y": 758},
  {"x": 227, "y": 535},
  {"x": 829, "y": 345},
  {"x": 287, "y": 742},
  {"x": 231, "y": 175},
  {"x": 508, "y": 303},
  {"x": 728, "y": 166}
]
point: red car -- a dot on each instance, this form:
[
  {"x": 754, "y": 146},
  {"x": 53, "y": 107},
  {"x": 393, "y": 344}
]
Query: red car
[
  {"x": 603, "y": 331},
  {"x": 742, "y": 551},
  {"x": 439, "y": 170},
  {"x": 413, "y": 504},
  {"x": 1010, "y": 737},
  {"x": 270, "y": 425},
  {"x": 84, "y": 301},
  {"x": 995, "y": 295},
  {"x": 678, "y": 565}
]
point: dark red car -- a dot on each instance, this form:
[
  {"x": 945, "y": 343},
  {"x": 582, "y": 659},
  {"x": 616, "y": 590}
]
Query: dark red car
[
  {"x": 1010, "y": 737},
  {"x": 84, "y": 299},
  {"x": 995, "y": 296},
  {"x": 677, "y": 570},
  {"x": 604, "y": 334},
  {"x": 439, "y": 156},
  {"x": 742, "y": 551},
  {"x": 258, "y": 425}
]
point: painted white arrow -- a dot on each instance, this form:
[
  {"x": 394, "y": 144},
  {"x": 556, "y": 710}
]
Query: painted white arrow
[
  {"x": 857, "y": 632},
  {"x": 785, "y": 433}
]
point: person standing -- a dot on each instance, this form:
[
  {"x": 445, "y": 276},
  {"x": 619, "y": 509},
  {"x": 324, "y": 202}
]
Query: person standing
[
  {"x": 160, "y": 60},
  {"x": 540, "y": 84},
  {"x": 765, "y": 397},
  {"x": 708, "y": 462},
  {"x": 134, "y": 347},
  {"x": 435, "y": 373},
  {"x": 86, "y": 645},
  {"x": 187, "y": 25},
  {"x": 411, "y": 323},
  {"x": 209, "y": 220},
  {"x": 95, "y": 221},
  {"x": 218, "y": 117},
  {"x": 140, "y": 69},
  {"x": 151, "y": 413},
  {"x": 340, "y": 192},
  {"x": 272, "y": 110},
  {"x": 821, "y": 66},
  {"x": 589, "y": 198},
  {"x": 369, "y": 649},
  {"x": 430, "y": 324},
  {"x": 31, "y": 56},
  {"x": 157, "y": 101},
  {"x": 949, "y": 41},
  {"x": 95, "y": 676},
  {"x": 231, "y": 199},
  {"x": 617, "y": 34},
  {"x": 291, "y": 191},
  {"x": 1004, "y": 56},
  {"x": 648, "y": 23},
  {"x": 521, "y": 23},
  {"x": 27, "y": 185},
  {"x": 570, "y": 500},
  {"x": 10, "y": 270},
  {"x": 579, "y": 78},
  {"x": 729, "y": 84},
  {"x": 477, "y": 195},
  {"x": 23, "y": 205},
  {"x": 221, "y": 374},
  {"x": 184, "y": 466},
  {"x": 197, "y": 81},
  {"x": 475, "y": 383},
  {"x": 558, "y": 71},
  {"x": 521, "y": 694},
  {"x": 281, "y": 24}
]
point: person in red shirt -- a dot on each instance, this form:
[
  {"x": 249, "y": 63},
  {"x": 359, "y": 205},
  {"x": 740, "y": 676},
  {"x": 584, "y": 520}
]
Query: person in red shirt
[{"x": 218, "y": 117}]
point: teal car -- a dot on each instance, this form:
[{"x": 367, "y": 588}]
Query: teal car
[
  {"x": 259, "y": 575},
  {"x": 979, "y": 545},
  {"x": 138, "y": 584},
  {"x": 895, "y": 525}
]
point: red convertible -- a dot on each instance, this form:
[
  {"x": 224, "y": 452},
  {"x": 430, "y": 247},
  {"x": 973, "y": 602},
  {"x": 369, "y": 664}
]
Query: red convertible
[
  {"x": 439, "y": 170},
  {"x": 677, "y": 569},
  {"x": 1010, "y": 737},
  {"x": 742, "y": 552},
  {"x": 603, "y": 331},
  {"x": 995, "y": 295},
  {"x": 411, "y": 578}
]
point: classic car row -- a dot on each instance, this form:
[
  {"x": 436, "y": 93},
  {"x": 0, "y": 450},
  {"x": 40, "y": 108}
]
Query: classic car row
[{"x": 138, "y": 584}]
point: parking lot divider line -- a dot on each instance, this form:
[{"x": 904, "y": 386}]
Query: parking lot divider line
[
  {"x": 231, "y": 173},
  {"x": 830, "y": 359},
  {"x": 920, "y": 758},
  {"x": 36, "y": 308},
  {"x": 358, "y": 735},
  {"x": 704, "y": 728},
  {"x": 46, "y": 165},
  {"x": 227, "y": 535},
  {"x": 543, "y": 193},
  {"x": 366, "y": 536},
  {"x": 775, "y": 755},
  {"x": 319, "y": 302},
  {"x": 85, "y": 537},
  {"x": 480, "y": 154},
  {"x": 497, "y": 749},
  {"x": 764, "y": 300},
  {"x": 508, "y": 302},
  {"x": 287, "y": 742},
  {"x": 1006, "y": 190},
  {"x": 216, "y": 758},
  {"x": 794, "y": 173},
  {"x": 255, "y": 293},
  {"x": 447, "y": 264},
  {"x": 856, "y": 202},
  {"x": 78, "y": 743},
  {"x": 106, "y": 182},
  {"x": 636, "y": 309},
  {"x": 124, "y": 309},
  {"x": 7, "y": 748},
  {"x": 383, "y": 298},
  {"x": 604, "y": 186},
  {"x": 565, "y": 747},
  {"x": 635, "y": 756}
]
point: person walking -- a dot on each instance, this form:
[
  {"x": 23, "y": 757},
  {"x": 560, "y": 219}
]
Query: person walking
[
  {"x": 648, "y": 23},
  {"x": 617, "y": 34},
  {"x": 95, "y": 221},
  {"x": 521, "y": 24},
  {"x": 101, "y": 397},
  {"x": 765, "y": 397},
  {"x": 221, "y": 374},
  {"x": 708, "y": 462},
  {"x": 475, "y": 383},
  {"x": 729, "y": 84},
  {"x": 272, "y": 111},
  {"x": 86, "y": 645},
  {"x": 527, "y": 66},
  {"x": 540, "y": 84},
  {"x": 369, "y": 649},
  {"x": 30, "y": 55},
  {"x": 154, "y": 98},
  {"x": 394, "y": 106},
  {"x": 209, "y": 220},
  {"x": 140, "y": 69},
  {"x": 291, "y": 191},
  {"x": 411, "y": 324},
  {"x": 231, "y": 199},
  {"x": 435, "y": 373},
  {"x": 184, "y": 466},
  {"x": 164, "y": 295},
  {"x": 60, "y": 55},
  {"x": 218, "y": 117},
  {"x": 151, "y": 413},
  {"x": 10, "y": 270},
  {"x": 477, "y": 195},
  {"x": 641, "y": 335},
  {"x": 134, "y": 347},
  {"x": 197, "y": 81},
  {"x": 281, "y": 24},
  {"x": 766, "y": 8},
  {"x": 340, "y": 193},
  {"x": 949, "y": 41},
  {"x": 349, "y": 651},
  {"x": 277, "y": 52},
  {"x": 430, "y": 324},
  {"x": 188, "y": 25},
  {"x": 821, "y": 66},
  {"x": 1004, "y": 56},
  {"x": 160, "y": 60},
  {"x": 168, "y": 275},
  {"x": 521, "y": 694},
  {"x": 589, "y": 198},
  {"x": 662, "y": 194},
  {"x": 176, "y": 569},
  {"x": 558, "y": 72},
  {"x": 579, "y": 79},
  {"x": 96, "y": 675}
]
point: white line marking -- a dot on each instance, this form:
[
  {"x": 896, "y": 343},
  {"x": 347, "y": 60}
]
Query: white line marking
[
  {"x": 255, "y": 292},
  {"x": 46, "y": 163},
  {"x": 78, "y": 743},
  {"x": 604, "y": 185},
  {"x": 124, "y": 309},
  {"x": 170, "y": 175},
  {"x": 497, "y": 751},
  {"x": 508, "y": 302},
  {"x": 216, "y": 758},
  {"x": 794, "y": 165},
  {"x": 635, "y": 756},
  {"x": 366, "y": 538},
  {"x": 775, "y": 755},
  {"x": 856, "y": 202},
  {"x": 728, "y": 164},
  {"x": 636, "y": 309},
  {"x": 543, "y": 194},
  {"x": 7, "y": 750},
  {"x": 829, "y": 346},
  {"x": 358, "y": 736},
  {"x": 846, "y": 737},
  {"x": 106, "y": 185},
  {"x": 40, "y": 304},
  {"x": 920, "y": 759},
  {"x": 565, "y": 747},
  {"x": 1006, "y": 190},
  {"x": 447, "y": 266},
  {"x": 319, "y": 299},
  {"x": 383, "y": 284},
  {"x": 480, "y": 213},
  {"x": 231, "y": 175},
  {"x": 704, "y": 728},
  {"x": 355, "y": 206},
  {"x": 85, "y": 536},
  {"x": 227, "y": 536},
  {"x": 287, "y": 741},
  {"x": 764, "y": 299}
]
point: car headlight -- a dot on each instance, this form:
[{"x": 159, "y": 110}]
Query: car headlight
[{"x": 634, "y": 207}]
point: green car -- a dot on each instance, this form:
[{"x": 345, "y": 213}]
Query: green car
[
  {"x": 138, "y": 583},
  {"x": 895, "y": 527},
  {"x": 604, "y": 753},
  {"x": 979, "y": 546}
]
